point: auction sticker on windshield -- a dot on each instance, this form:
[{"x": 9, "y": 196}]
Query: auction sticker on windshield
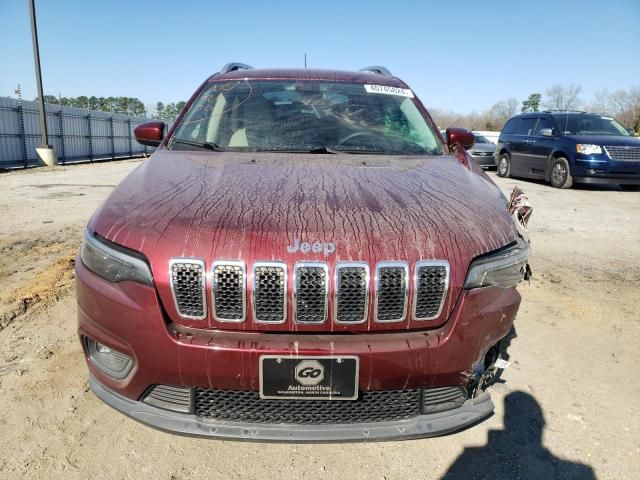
[{"x": 386, "y": 90}]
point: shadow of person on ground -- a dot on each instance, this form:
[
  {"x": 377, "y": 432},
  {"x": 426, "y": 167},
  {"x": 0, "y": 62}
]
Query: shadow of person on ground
[{"x": 516, "y": 452}]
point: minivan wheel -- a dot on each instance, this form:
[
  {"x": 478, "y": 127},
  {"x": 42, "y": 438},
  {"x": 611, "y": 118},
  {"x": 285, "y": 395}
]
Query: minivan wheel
[
  {"x": 630, "y": 188},
  {"x": 561, "y": 174},
  {"x": 504, "y": 165}
]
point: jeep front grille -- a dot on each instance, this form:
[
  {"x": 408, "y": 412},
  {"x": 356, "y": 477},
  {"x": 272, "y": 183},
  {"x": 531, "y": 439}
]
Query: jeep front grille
[
  {"x": 188, "y": 286},
  {"x": 391, "y": 291},
  {"x": 270, "y": 292},
  {"x": 229, "y": 291},
  {"x": 311, "y": 289},
  {"x": 352, "y": 292},
  {"x": 431, "y": 284},
  {"x": 623, "y": 154}
]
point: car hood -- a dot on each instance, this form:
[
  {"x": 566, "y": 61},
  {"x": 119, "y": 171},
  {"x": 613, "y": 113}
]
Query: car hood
[
  {"x": 482, "y": 147},
  {"x": 612, "y": 140},
  {"x": 251, "y": 207}
]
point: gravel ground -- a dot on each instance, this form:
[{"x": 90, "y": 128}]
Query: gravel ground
[{"x": 569, "y": 407}]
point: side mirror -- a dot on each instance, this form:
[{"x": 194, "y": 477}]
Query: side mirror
[
  {"x": 546, "y": 132},
  {"x": 460, "y": 135},
  {"x": 149, "y": 133}
]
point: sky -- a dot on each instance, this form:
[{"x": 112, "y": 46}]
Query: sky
[{"x": 461, "y": 56}]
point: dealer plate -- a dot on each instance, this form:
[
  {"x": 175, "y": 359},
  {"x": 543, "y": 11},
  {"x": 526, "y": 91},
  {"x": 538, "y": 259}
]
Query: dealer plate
[{"x": 309, "y": 378}]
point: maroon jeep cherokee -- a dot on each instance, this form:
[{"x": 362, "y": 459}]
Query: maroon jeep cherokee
[{"x": 302, "y": 258}]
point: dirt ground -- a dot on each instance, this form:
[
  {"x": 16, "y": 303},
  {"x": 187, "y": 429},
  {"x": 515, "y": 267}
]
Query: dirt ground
[{"x": 569, "y": 407}]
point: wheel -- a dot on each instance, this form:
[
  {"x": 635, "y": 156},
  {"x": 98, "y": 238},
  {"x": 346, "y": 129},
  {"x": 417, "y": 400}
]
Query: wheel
[
  {"x": 504, "y": 165},
  {"x": 561, "y": 174},
  {"x": 630, "y": 188}
]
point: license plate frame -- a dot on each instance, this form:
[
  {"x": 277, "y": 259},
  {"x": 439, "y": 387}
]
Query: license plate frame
[{"x": 296, "y": 378}]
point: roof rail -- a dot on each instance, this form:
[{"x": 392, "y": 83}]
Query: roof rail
[
  {"x": 562, "y": 110},
  {"x": 232, "y": 67},
  {"x": 377, "y": 69}
]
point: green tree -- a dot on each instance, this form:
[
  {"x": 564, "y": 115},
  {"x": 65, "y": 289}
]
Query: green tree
[
  {"x": 82, "y": 102},
  {"x": 50, "y": 99},
  {"x": 93, "y": 103},
  {"x": 159, "y": 110},
  {"x": 532, "y": 104}
]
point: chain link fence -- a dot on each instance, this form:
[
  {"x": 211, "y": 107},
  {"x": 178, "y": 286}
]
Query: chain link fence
[{"x": 76, "y": 134}]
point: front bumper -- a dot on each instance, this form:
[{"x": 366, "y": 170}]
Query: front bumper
[
  {"x": 128, "y": 317},
  {"x": 485, "y": 161},
  {"x": 471, "y": 412},
  {"x": 606, "y": 172},
  {"x": 609, "y": 180}
]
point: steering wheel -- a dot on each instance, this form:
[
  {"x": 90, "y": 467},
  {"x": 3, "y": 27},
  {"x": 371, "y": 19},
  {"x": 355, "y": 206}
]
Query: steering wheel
[{"x": 356, "y": 135}]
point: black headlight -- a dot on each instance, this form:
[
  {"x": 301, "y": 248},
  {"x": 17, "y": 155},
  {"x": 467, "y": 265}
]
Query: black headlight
[
  {"x": 505, "y": 268},
  {"x": 112, "y": 262}
]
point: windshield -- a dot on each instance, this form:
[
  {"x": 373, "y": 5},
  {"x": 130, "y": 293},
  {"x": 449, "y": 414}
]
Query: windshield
[
  {"x": 585, "y": 124},
  {"x": 302, "y": 116},
  {"x": 480, "y": 139}
]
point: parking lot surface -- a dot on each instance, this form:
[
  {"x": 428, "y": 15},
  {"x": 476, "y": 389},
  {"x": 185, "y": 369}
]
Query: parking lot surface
[{"x": 569, "y": 407}]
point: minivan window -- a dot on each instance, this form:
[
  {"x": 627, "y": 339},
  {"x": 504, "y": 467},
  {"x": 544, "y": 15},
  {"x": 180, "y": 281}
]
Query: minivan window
[
  {"x": 588, "y": 124},
  {"x": 543, "y": 122},
  {"x": 511, "y": 126},
  {"x": 305, "y": 116},
  {"x": 526, "y": 126}
]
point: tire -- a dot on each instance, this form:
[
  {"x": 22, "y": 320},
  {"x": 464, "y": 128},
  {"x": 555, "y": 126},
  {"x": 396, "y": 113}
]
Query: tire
[
  {"x": 630, "y": 188},
  {"x": 504, "y": 166},
  {"x": 560, "y": 174}
]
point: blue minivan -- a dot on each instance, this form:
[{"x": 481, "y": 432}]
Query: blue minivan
[{"x": 565, "y": 147}]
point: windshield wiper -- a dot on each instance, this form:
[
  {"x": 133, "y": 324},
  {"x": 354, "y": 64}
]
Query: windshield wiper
[
  {"x": 208, "y": 145},
  {"x": 322, "y": 150}
]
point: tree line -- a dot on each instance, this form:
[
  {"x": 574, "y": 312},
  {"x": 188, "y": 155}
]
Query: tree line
[
  {"x": 125, "y": 105},
  {"x": 623, "y": 105},
  {"x": 168, "y": 112}
]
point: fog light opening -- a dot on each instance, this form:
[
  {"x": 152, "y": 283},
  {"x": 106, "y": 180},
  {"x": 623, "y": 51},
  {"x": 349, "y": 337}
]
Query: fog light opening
[{"x": 111, "y": 362}]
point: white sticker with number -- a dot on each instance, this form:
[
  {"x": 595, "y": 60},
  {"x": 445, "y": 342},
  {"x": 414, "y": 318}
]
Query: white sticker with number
[{"x": 386, "y": 90}]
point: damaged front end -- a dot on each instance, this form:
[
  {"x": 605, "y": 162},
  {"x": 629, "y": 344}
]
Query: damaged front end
[{"x": 488, "y": 369}]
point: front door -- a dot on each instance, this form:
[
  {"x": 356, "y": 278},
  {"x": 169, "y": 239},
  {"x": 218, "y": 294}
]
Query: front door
[{"x": 520, "y": 147}]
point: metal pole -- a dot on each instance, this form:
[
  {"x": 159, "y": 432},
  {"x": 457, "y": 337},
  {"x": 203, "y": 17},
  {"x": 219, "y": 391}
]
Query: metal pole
[
  {"x": 44, "y": 151},
  {"x": 44, "y": 138}
]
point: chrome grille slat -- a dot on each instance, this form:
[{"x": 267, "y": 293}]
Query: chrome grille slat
[
  {"x": 269, "y": 292},
  {"x": 229, "y": 291},
  {"x": 391, "y": 291},
  {"x": 431, "y": 283},
  {"x": 311, "y": 289},
  {"x": 623, "y": 153},
  {"x": 352, "y": 292},
  {"x": 187, "y": 279}
]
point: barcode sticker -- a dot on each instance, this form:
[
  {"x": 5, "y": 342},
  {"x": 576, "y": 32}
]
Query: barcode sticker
[
  {"x": 387, "y": 90},
  {"x": 502, "y": 364}
]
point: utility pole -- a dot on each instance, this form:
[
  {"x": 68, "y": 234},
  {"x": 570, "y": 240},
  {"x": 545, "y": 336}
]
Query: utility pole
[
  {"x": 305, "y": 60},
  {"x": 44, "y": 151}
]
